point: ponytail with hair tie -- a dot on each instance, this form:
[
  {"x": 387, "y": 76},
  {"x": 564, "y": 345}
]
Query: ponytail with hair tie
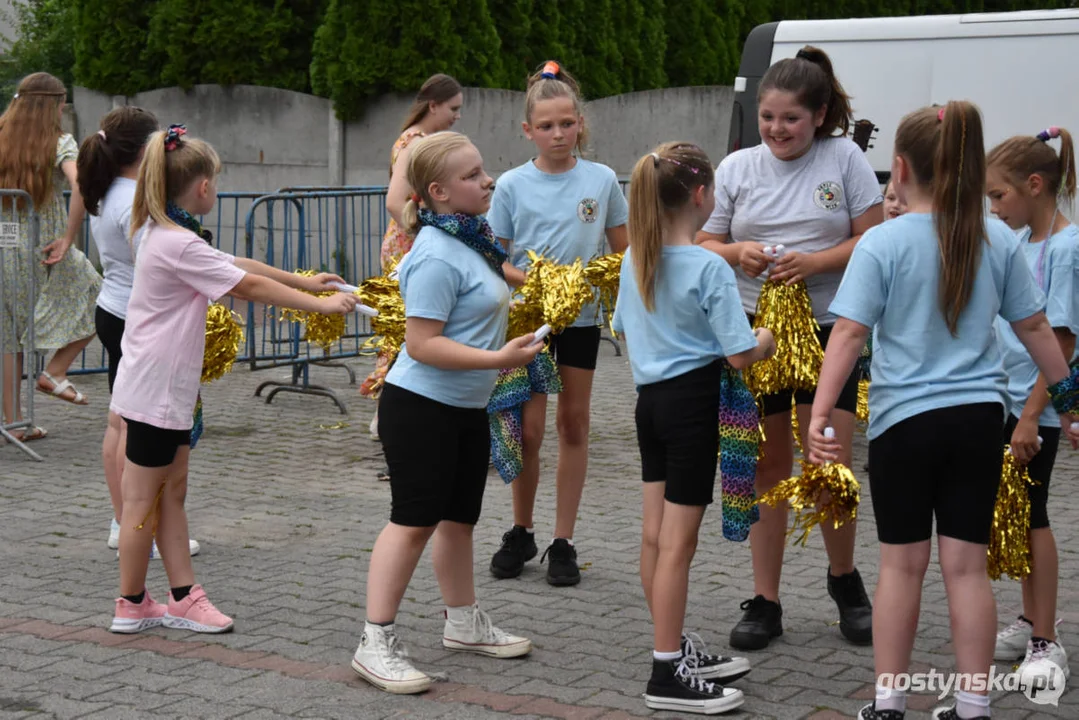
[
  {"x": 1049, "y": 133},
  {"x": 550, "y": 70}
]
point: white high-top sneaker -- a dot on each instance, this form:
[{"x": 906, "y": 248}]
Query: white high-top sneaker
[
  {"x": 475, "y": 633},
  {"x": 382, "y": 660},
  {"x": 1043, "y": 665}
]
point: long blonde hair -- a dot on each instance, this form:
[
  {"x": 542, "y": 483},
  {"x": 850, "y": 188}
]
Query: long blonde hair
[
  {"x": 29, "y": 132},
  {"x": 428, "y": 163},
  {"x": 1021, "y": 156},
  {"x": 166, "y": 174},
  {"x": 946, "y": 153},
  {"x": 552, "y": 81},
  {"x": 661, "y": 185}
]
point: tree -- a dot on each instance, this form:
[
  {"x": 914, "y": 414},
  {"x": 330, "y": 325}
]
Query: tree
[
  {"x": 43, "y": 43},
  {"x": 591, "y": 44},
  {"x": 482, "y": 64},
  {"x": 695, "y": 50},
  {"x": 513, "y": 23},
  {"x": 253, "y": 42}
]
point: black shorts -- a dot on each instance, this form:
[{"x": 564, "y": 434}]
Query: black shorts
[
  {"x": 576, "y": 347},
  {"x": 154, "y": 447},
  {"x": 438, "y": 456},
  {"x": 678, "y": 434},
  {"x": 1040, "y": 469},
  {"x": 945, "y": 462},
  {"x": 781, "y": 402},
  {"x": 110, "y": 330}
]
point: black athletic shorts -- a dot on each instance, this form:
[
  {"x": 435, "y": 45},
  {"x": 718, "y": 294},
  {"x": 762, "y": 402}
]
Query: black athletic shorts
[
  {"x": 110, "y": 330},
  {"x": 576, "y": 347},
  {"x": 1040, "y": 469},
  {"x": 154, "y": 447}
]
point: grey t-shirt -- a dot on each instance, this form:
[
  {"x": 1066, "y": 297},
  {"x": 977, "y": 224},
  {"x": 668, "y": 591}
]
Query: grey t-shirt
[{"x": 805, "y": 204}]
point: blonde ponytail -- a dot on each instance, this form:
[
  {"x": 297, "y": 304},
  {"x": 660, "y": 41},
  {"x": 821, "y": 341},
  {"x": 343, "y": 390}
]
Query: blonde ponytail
[
  {"x": 410, "y": 217},
  {"x": 151, "y": 196},
  {"x": 166, "y": 174},
  {"x": 662, "y": 184}
]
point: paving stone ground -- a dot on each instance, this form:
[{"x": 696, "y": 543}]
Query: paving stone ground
[{"x": 286, "y": 505}]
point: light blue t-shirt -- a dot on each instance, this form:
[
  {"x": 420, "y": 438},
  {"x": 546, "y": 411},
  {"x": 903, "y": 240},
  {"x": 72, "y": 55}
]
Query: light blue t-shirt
[
  {"x": 891, "y": 285},
  {"x": 444, "y": 279},
  {"x": 563, "y": 216},
  {"x": 698, "y": 315},
  {"x": 1058, "y": 259}
]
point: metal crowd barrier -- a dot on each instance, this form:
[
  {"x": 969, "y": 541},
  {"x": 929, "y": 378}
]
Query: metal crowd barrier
[{"x": 17, "y": 274}]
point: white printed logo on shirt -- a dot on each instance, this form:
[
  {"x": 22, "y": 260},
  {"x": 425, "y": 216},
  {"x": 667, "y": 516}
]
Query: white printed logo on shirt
[
  {"x": 588, "y": 210},
  {"x": 828, "y": 195}
]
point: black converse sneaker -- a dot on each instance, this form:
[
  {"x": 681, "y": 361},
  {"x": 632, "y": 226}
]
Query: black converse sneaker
[
  {"x": 855, "y": 611},
  {"x": 518, "y": 547},
  {"x": 675, "y": 686},
  {"x": 711, "y": 667},
  {"x": 562, "y": 568},
  {"x": 762, "y": 621},
  {"x": 870, "y": 712},
  {"x": 949, "y": 713}
]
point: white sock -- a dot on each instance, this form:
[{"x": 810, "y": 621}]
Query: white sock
[
  {"x": 529, "y": 531},
  {"x": 889, "y": 699},
  {"x": 460, "y": 614},
  {"x": 569, "y": 540},
  {"x": 969, "y": 705},
  {"x": 667, "y": 656}
]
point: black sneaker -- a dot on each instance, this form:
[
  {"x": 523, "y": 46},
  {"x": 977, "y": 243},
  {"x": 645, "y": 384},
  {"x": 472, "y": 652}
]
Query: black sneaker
[
  {"x": 675, "y": 686},
  {"x": 870, "y": 712},
  {"x": 518, "y": 547},
  {"x": 711, "y": 667},
  {"x": 762, "y": 621},
  {"x": 949, "y": 713},
  {"x": 562, "y": 570},
  {"x": 855, "y": 611}
]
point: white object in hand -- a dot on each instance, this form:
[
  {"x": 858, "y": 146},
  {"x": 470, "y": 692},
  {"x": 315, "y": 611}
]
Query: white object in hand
[
  {"x": 543, "y": 332},
  {"x": 344, "y": 287},
  {"x": 1039, "y": 441},
  {"x": 1075, "y": 427},
  {"x": 365, "y": 310},
  {"x": 829, "y": 433}
]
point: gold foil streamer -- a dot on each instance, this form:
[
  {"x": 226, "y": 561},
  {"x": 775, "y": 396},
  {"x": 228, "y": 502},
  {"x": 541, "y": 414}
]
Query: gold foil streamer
[
  {"x": 383, "y": 293},
  {"x": 224, "y": 336},
  {"x": 319, "y": 329},
  {"x": 786, "y": 310},
  {"x": 604, "y": 274},
  {"x": 1009, "y": 539},
  {"x": 819, "y": 493},
  {"x": 862, "y": 413},
  {"x": 552, "y": 294}
]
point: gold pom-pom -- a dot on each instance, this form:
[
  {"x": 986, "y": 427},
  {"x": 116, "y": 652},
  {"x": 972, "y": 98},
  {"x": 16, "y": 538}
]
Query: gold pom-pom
[
  {"x": 383, "y": 293},
  {"x": 224, "y": 336},
  {"x": 604, "y": 274},
  {"x": 862, "y": 413},
  {"x": 1009, "y": 540},
  {"x": 820, "y": 493},
  {"x": 552, "y": 294},
  {"x": 787, "y": 311},
  {"x": 319, "y": 329}
]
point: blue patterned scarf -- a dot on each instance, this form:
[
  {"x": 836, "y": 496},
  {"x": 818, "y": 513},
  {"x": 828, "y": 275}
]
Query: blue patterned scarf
[
  {"x": 187, "y": 221},
  {"x": 473, "y": 231}
]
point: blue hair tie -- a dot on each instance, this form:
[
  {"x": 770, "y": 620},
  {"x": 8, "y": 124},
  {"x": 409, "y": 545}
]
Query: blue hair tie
[{"x": 550, "y": 70}]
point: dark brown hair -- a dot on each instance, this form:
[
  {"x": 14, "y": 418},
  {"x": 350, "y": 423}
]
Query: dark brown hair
[
  {"x": 436, "y": 89},
  {"x": 105, "y": 154},
  {"x": 1021, "y": 156},
  {"x": 661, "y": 184},
  {"x": 561, "y": 85},
  {"x": 809, "y": 77},
  {"x": 29, "y": 133},
  {"x": 946, "y": 153}
]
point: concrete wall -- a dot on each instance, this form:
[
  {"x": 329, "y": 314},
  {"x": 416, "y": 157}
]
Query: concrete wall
[
  {"x": 7, "y": 17},
  {"x": 272, "y": 138}
]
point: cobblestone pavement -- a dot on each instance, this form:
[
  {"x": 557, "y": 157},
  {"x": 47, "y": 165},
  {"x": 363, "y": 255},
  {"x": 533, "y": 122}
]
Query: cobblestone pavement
[{"x": 286, "y": 505}]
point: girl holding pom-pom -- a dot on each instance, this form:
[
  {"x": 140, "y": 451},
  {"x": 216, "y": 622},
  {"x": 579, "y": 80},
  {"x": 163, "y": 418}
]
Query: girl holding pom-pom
[
  {"x": 930, "y": 284},
  {"x": 1027, "y": 181},
  {"x": 157, "y": 382},
  {"x": 815, "y": 194}
]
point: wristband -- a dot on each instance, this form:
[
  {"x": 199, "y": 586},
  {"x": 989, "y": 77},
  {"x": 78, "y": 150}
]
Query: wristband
[{"x": 1065, "y": 394}]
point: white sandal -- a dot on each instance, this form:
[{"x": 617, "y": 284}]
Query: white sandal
[{"x": 59, "y": 388}]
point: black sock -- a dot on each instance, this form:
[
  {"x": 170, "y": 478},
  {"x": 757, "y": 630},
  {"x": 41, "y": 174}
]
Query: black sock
[
  {"x": 1035, "y": 640},
  {"x": 179, "y": 593},
  {"x": 1027, "y": 620},
  {"x": 136, "y": 599},
  {"x": 385, "y": 624}
]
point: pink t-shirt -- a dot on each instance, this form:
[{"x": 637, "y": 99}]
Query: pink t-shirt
[{"x": 176, "y": 272}]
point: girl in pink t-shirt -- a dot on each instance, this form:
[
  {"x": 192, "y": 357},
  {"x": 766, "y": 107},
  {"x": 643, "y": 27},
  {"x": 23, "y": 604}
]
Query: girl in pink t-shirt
[{"x": 157, "y": 383}]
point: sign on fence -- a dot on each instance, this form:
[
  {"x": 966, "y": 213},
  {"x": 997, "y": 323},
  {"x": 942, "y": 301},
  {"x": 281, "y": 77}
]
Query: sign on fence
[{"x": 9, "y": 234}]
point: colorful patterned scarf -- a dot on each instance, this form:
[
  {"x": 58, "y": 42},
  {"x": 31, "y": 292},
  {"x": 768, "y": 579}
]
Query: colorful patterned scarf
[
  {"x": 473, "y": 231},
  {"x": 739, "y": 443},
  {"x": 189, "y": 222},
  {"x": 513, "y": 389}
]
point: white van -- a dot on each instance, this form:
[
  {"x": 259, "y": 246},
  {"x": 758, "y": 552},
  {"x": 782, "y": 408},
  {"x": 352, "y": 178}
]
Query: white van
[{"x": 1020, "y": 68}]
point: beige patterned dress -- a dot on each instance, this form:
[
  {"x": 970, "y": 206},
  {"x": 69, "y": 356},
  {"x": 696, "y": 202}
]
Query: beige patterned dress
[{"x": 66, "y": 293}]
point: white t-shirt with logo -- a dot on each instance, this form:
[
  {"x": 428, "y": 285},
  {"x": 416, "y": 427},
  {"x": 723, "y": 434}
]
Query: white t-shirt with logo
[
  {"x": 805, "y": 204},
  {"x": 562, "y": 216}
]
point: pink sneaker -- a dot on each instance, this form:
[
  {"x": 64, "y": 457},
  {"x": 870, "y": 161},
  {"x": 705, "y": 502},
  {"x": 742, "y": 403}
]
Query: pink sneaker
[
  {"x": 132, "y": 618},
  {"x": 196, "y": 612}
]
